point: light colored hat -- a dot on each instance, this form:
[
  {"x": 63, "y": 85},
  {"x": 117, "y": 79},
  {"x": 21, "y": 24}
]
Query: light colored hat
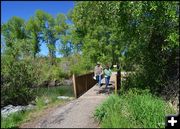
[{"x": 98, "y": 62}]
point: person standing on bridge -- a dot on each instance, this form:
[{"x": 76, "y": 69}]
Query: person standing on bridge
[
  {"x": 98, "y": 71},
  {"x": 107, "y": 75}
]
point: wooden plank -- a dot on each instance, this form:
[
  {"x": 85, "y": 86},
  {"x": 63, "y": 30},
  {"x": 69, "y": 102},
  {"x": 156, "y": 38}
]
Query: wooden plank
[
  {"x": 74, "y": 86},
  {"x": 83, "y": 83},
  {"x": 115, "y": 90}
]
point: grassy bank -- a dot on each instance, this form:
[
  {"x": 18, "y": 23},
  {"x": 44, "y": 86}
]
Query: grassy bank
[
  {"x": 134, "y": 108},
  {"x": 46, "y": 98}
]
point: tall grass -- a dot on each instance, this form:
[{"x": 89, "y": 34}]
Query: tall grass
[
  {"x": 54, "y": 91},
  {"x": 134, "y": 109},
  {"x": 42, "y": 95},
  {"x": 13, "y": 120},
  {"x": 51, "y": 94}
]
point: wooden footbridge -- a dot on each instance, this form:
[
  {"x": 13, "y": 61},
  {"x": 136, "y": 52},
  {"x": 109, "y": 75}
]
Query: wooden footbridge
[{"x": 83, "y": 83}]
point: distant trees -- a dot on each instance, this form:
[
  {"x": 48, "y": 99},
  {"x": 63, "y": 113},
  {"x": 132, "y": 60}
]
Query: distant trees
[
  {"x": 40, "y": 28},
  {"x": 21, "y": 66},
  {"x": 33, "y": 33}
]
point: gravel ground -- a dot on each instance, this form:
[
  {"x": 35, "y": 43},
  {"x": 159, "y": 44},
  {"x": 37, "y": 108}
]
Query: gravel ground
[{"x": 75, "y": 114}]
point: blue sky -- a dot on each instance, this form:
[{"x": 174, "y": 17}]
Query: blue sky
[{"x": 26, "y": 9}]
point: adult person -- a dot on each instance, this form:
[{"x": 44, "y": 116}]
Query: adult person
[
  {"x": 107, "y": 75},
  {"x": 98, "y": 71}
]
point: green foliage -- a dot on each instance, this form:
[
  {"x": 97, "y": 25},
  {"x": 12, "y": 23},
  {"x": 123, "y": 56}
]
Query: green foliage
[
  {"x": 138, "y": 106},
  {"x": 80, "y": 67},
  {"x": 12, "y": 120},
  {"x": 18, "y": 78},
  {"x": 141, "y": 36},
  {"x": 52, "y": 73},
  {"x": 40, "y": 102},
  {"x": 14, "y": 29},
  {"x": 33, "y": 29},
  {"x": 55, "y": 91}
]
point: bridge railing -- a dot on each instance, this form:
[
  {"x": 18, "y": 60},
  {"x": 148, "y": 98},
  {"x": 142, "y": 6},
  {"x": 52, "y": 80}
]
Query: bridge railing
[
  {"x": 117, "y": 83},
  {"x": 83, "y": 83}
]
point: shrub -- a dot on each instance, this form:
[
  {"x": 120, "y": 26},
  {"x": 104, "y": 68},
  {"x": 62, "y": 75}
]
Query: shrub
[
  {"x": 18, "y": 78},
  {"x": 138, "y": 106}
]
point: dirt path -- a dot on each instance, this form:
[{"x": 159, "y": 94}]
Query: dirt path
[{"x": 75, "y": 114}]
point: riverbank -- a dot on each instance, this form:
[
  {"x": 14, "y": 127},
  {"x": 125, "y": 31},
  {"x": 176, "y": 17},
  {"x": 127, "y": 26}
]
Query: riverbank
[{"x": 47, "y": 99}]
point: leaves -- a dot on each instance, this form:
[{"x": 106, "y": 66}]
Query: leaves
[{"x": 142, "y": 36}]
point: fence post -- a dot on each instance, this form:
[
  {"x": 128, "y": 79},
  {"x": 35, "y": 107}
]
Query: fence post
[
  {"x": 74, "y": 86},
  {"x": 115, "y": 84},
  {"x": 86, "y": 82},
  {"x": 118, "y": 78}
]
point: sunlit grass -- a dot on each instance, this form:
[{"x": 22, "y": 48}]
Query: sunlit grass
[{"x": 132, "y": 109}]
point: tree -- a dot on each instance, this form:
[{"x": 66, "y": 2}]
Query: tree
[
  {"x": 14, "y": 34},
  {"x": 47, "y": 24},
  {"x": 33, "y": 31},
  {"x": 62, "y": 31},
  {"x": 142, "y": 34}
]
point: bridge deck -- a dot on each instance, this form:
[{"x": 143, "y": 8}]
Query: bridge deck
[{"x": 77, "y": 113}]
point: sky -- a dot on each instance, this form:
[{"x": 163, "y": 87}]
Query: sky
[{"x": 26, "y": 9}]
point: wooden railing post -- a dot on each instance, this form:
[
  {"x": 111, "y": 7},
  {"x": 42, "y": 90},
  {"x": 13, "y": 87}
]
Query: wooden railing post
[
  {"x": 118, "y": 80},
  {"x": 119, "y": 77},
  {"x": 86, "y": 82},
  {"x": 115, "y": 84},
  {"x": 82, "y": 83},
  {"x": 74, "y": 86}
]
